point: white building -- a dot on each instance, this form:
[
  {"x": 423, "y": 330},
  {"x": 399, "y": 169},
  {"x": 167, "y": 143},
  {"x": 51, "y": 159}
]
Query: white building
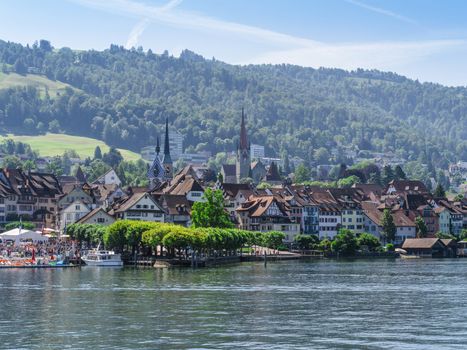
[
  {"x": 196, "y": 158},
  {"x": 175, "y": 143},
  {"x": 330, "y": 221},
  {"x": 257, "y": 151},
  {"x": 139, "y": 206},
  {"x": 109, "y": 178},
  {"x": 73, "y": 213}
]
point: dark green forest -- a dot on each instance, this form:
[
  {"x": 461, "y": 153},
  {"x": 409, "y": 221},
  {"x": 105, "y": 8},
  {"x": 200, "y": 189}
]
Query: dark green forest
[{"x": 123, "y": 96}]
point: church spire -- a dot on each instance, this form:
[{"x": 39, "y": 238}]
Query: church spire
[
  {"x": 166, "y": 141},
  {"x": 243, "y": 153},
  {"x": 167, "y": 160},
  {"x": 243, "y": 137},
  {"x": 158, "y": 146}
]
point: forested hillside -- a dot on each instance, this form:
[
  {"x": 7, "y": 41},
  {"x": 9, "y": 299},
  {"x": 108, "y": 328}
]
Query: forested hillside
[{"x": 122, "y": 97}]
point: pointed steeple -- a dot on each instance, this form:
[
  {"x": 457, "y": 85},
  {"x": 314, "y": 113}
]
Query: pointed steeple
[
  {"x": 243, "y": 137},
  {"x": 158, "y": 146},
  {"x": 167, "y": 160},
  {"x": 243, "y": 153},
  {"x": 166, "y": 141}
]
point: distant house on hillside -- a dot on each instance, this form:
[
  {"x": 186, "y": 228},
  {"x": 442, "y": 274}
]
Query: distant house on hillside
[{"x": 109, "y": 178}]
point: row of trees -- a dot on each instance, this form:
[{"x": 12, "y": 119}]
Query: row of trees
[
  {"x": 150, "y": 237},
  {"x": 346, "y": 243}
]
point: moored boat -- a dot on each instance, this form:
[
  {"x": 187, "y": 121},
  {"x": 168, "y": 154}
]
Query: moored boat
[{"x": 102, "y": 258}]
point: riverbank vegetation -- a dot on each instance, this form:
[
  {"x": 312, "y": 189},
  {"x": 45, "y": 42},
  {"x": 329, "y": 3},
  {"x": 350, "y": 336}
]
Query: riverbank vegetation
[{"x": 151, "y": 238}]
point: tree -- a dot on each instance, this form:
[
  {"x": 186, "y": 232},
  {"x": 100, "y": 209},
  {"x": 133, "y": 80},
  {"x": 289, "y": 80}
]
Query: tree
[
  {"x": 97, "y": 153},
  {"x": 306, "y": 241},
  {"x": 375, "y": 178},
  {"x": 345, "y": 243},
  {"x": 369, "y": 241},
  {"x": 263, "y": 186},
  {"x": 463, "y": 235},
  {"x": 439, "y": 191},
  {"x": 11, "y": 162},
  {"x": 443, "y": 235},
  {"x": 210, "y": 212},
  {"x": 347, "y": 182},
  {"x": 29, "y": 165},
  {"x": 273, "y": 239},
  {"x": 421, "y": 228},
  {"x": 45, "y": 45},
  {"x": 325, "y": 245},
  {"x": 20, "y": 67},
  {"x": 388, "y": 174},
  {"x": 54, "y": 126},
  {"x": 113, "y": 158},
  {"x": 115, "y": 236},
  {"x": 399, "y": 173},
  {"x": 302, "y": 173},
  {"x": 388, "y": 227},
  {"x": 24, "y": 225},
  {"x": 322, "y": 155},
  {"x": 285, "y": 158}
]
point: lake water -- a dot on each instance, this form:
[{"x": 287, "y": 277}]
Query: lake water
[{"x": 378, "y": 304}]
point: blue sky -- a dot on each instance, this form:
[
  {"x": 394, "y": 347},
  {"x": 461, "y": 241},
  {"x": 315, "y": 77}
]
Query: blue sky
[{"x": 423, "y": 39}]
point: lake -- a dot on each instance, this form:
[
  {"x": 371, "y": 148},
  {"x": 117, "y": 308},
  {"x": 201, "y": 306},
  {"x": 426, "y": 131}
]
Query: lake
[{"x": 365, "y": 304}]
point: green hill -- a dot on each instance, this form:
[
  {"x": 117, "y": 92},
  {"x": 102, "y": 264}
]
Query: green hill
[
  {"x": 56, "y": 144},
  {"x": 41, "y": 83},
  {"x": 123, "y": 96}
]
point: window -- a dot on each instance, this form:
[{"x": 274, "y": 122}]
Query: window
[
  {"x": 100, "y": 220},
  {"x": 77, "y": 207}
]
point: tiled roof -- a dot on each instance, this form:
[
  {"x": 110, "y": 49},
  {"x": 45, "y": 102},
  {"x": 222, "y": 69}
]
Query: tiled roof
[
  {"x": 31, "y": 183},
  {"x": 176, "y": 204},
  {"x": 91, "y": 214},
  {"x": 419, "y": 243},
  {"x": 232, "y": 189}
]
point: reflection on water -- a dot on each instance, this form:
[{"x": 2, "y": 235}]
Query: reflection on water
[{"x": 299, "y": 305}]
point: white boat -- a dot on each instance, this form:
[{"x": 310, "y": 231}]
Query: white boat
[{"x": 102, "y": 258}]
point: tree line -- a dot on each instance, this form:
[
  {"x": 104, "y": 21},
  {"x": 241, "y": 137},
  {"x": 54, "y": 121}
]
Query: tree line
[{"x": 123, "y": 96}]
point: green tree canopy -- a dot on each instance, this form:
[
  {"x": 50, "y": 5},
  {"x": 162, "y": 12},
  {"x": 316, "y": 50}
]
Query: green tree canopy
[
  {"x": 210, "y": 212},
  {"x": 421, "y": 228},
  {"x": 345, "y": 243},
  {"x": 388, "y": 227}
]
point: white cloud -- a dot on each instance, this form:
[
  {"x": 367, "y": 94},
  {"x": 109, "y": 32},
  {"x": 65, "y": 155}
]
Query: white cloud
[
  {"x": 384, "y": 56},
  {"x": 136, "y": 32},
  {"x": 275, "y": 47},
  {"x": 382, "y": 11}
]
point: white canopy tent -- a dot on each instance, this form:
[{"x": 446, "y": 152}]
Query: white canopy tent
[{"x": 18, "y": 235}]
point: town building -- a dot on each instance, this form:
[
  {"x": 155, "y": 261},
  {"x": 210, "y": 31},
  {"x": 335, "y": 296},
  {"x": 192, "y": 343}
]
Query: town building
[
  {"x": 266, "y": 213},
  {"x": 138, "y": 206},
  {"x": 97, "y": 216},
  {"x": 109, "y": 178},
  {"x": 257, "y": 151},
  {"x": 72, "y": 213}
]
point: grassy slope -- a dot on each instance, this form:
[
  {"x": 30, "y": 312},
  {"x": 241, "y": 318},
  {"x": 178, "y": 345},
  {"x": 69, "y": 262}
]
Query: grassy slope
[
  {"x": 40, "y": 82},
  {"x": 56, "y": 144}
]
